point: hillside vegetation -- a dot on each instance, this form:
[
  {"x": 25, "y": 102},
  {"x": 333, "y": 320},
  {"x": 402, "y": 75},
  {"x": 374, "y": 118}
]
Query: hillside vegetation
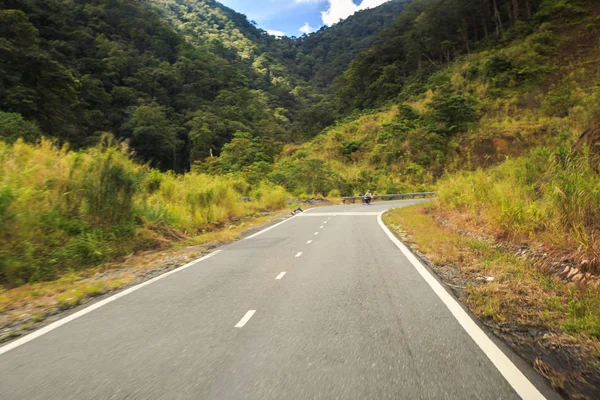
[
  {"x": 537, "y": 86},
  {"x": 175, "y": 79},
  {"x": 62, "y": 211},
  {"x": 483, "y": 101}
]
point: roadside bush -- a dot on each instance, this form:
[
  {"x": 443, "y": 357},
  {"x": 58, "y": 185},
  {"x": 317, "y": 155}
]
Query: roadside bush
[{"x": 64, "y": 210}]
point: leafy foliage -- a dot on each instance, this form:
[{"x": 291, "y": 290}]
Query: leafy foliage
[
  {"x": 429, "y": 34},
  {"x": 82, "y": 68}
]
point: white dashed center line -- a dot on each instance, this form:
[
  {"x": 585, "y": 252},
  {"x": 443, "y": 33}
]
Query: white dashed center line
[
  {"x": 309, "y": 242},
  {"x": 299, "y": 254},
  {"x": 316, "y": 233},
  {"x": 281, "y": 275},
  {"x": 245, "y": 319},
  {"x": 321, "y": 227}
]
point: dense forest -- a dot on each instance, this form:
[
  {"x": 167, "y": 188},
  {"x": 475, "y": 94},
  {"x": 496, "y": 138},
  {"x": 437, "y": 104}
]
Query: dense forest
[
  {"x": 80, "y": 68},
  {"x": 175, "y": 79},
  {"x": 430, "y": 34}
]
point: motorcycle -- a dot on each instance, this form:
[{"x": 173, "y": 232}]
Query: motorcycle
[{"x": 367, "y": 200}]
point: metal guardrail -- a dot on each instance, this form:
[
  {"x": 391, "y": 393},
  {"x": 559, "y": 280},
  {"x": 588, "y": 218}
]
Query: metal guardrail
[{"x": 389, "y": 196}]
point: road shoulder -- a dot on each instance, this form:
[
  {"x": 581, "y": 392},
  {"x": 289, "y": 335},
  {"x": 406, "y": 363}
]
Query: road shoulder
[{"x": 506, "y": 297}]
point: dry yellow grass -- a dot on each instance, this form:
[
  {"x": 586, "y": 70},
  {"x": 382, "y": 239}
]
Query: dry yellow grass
[
  {"x": 519, "y": 294},
  {"x": 560, "y": 319}
]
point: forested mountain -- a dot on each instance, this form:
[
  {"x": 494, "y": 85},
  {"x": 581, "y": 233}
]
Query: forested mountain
[
  {"x": 430, "y": 100},
  {"x": 180, "y": 79},
  {"x": 175, "y": 78},
  {"x": 79, "y": 68},
  {"x": 324, "y": 55},
  {"x": 316, "y": 58},
  {"x": 206, "y": 22},
  {"x": 432, "y": 33}
]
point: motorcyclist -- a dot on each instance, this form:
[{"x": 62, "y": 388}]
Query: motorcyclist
[{"x": 368, "y": 197}]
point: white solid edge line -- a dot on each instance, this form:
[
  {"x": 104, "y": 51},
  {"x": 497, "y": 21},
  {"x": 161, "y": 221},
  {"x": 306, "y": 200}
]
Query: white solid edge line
[
  {"x": 281, "y": 275},
  {"x": 299, "y": 254},
  {"x": 245, "y": 319},
  {"x": 343, "y": 214},
  {"x": 271, "y": 227},
  {"x": 524, "y": 388},
  {"x": 87, "y": 310}
]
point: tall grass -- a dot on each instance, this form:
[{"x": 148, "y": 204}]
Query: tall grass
[
  {"x": 63, "y": 210},
  {"x": 552, "y": 196}
]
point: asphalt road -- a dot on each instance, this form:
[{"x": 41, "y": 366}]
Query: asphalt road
[{"x": 351, "y": 318}]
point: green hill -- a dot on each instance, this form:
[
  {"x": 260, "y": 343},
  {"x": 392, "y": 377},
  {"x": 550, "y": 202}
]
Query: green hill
[
  {"x": 535, "y": 84},
  {"x": 175, "y": 79}
]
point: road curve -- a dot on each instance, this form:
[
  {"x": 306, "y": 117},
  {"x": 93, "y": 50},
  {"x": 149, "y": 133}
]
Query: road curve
[{"x": 323, "y": 306}]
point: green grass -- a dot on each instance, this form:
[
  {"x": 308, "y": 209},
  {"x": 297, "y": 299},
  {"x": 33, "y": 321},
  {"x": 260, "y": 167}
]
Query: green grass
[{"x": 63, "y": 211}]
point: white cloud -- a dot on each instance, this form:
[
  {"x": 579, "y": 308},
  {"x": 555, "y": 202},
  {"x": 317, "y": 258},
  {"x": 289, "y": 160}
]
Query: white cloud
[
  {"x": 276, "y": 33},
  {"x": 342, "y": 9},
  {"x": 306, "y": 28}
]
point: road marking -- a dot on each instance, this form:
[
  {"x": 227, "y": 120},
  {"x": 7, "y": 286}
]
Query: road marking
[
  {"x": 309, "y": 242},
  {"x": 339, "y": 214},
  {"x": 321, "y": 227},
  {"x": 280, "y": 275},
  {"x": 95, "y": 306},
  {"x": 316, "y": 233},
  {"x": 271, "y": 227},
  {"x": 299, "y": 254},
  {"x": 245, "y": 319},
  {"x": 324, "y": 222},
  {"x": 524, "y": 388}
]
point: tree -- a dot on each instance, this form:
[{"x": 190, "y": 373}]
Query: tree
[
  {"x": 154, "y": 136},
  {"x": 13, "y": 127},
  {"x": 449, "y": 112}
]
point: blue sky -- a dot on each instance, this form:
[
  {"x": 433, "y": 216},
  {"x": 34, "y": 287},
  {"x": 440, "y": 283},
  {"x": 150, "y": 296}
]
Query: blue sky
[{"x": 295, "y": 17}]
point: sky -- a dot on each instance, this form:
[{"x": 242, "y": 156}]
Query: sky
[{"x": 297, "y": 17}]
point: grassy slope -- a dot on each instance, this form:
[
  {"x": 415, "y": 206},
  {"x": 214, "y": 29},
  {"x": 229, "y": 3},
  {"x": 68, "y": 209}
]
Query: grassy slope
[
  {"x": 528, "y": 92},
  {"x": 549, "y": 196},
  {"x": 357, "y": 168}
]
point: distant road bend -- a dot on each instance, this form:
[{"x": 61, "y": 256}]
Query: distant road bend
[{"x": 326, "y": 305}]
